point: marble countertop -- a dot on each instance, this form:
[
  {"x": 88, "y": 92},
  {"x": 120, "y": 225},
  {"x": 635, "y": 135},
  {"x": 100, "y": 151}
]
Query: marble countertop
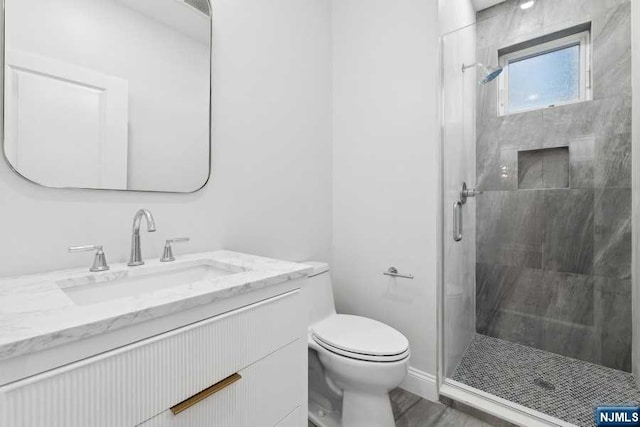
[{"x": 36, "y": 313}]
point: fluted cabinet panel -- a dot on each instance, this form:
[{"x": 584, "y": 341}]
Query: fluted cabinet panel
[
  {"x": 127, "y": 386},
  {"x": 296, "y": 418},
  {"x": 268, "y": 391}
]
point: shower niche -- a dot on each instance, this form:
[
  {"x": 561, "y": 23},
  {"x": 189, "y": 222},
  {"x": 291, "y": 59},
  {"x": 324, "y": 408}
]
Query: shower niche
[{"x": 543, "y": 168}]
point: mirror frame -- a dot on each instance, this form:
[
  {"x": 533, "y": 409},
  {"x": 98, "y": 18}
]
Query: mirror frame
[{"x": 3, "y": 61}]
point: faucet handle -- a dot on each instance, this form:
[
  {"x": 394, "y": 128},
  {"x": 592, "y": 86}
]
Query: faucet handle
[
  {"x": 100, "y": 260},
  {"x": 167, "y": 254}
]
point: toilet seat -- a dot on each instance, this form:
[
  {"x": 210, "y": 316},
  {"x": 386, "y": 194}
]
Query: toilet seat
[
  {"x": 358, "y": 356},
  {"x": 360, "y": 338}
]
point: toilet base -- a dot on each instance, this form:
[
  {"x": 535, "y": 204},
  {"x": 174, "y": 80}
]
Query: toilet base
[
  {"x": 361, "y": 409},
  {"x": 320, "y": 417},
  {"x": 364, "y": 410}
]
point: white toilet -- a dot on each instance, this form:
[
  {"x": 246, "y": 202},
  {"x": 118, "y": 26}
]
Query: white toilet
[{"x": 353, "y": 361}]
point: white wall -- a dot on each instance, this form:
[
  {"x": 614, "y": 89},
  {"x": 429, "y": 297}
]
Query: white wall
[
  {"x": 385, "y": 162},
  {"x": 635, "y": 289},
  {"x": 167, "y": 72},
  {"x": 270, "y": 189},
  {"x": 455, "y": 14}
]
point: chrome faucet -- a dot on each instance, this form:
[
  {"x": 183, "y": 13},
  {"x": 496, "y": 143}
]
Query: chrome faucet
[
  {"x": 99, "y": 261},
  {"x": 136, "y": 253}
]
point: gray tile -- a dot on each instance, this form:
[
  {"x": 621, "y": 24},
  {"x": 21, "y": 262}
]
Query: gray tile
[
  {"x": 542, "y": 294},
  {"x": 427, "y": 413},
  {"x": 545, "y": 168},
  {"x": 497, "y": 169},
  {"x": 530, "y": 169},
  {"x": 487, "y": 150},
  {"x": 611, "y": 34},
  {"x": 476, "y": 413},
  {"x": 613, "y": 115},
  {"x": 402, "y": 401},
  {"x": 567, "y": 123},
  {"x": 568, "y": 231},
  {"x": 558, "y": 12},
  {"x": 581, "y": 159},
  {"x": 612, "y": 166},
  {"x": 509, "y": 24},
  {"x": 494, "y": 284},
  {"x": 555, "y": 167},
  {"x": 612, "y": 238},
  {"x": 614, "y": 311},
  {"x": 556, "y": 385},
  {"x": 454, "y": 418},
  {"x": 510, "y": 228},
  {"x": 513, "y": 327},
  {"x": 579, "y": 342},
  {"x": 570, "y": 298},
  {"x": 521, "y": 131},
  {"x": 543, "y": 309}
]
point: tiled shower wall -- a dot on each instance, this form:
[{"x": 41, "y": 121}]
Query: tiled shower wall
[{"x": 554, "y": 248}]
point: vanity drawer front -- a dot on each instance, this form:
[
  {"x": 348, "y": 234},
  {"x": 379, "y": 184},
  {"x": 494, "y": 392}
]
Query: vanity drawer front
[
  {"x": 126, "y": 386},
  {"x": 294, "y": 419},
  {"x": 267, "y": 393}
]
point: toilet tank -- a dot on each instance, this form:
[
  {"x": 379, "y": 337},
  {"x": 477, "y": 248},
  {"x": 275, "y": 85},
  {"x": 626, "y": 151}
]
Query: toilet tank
[{"x": 318, "y": 294}]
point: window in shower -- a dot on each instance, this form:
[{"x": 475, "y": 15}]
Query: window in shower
[{"x": 545, "y": 73}]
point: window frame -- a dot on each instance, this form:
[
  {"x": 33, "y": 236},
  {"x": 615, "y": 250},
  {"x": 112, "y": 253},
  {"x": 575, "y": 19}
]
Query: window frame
[{"x": 582, "y": 39}]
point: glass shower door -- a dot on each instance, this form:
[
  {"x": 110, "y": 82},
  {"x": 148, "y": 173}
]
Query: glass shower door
[
  {"x": 536, "y": 275},
  {"x": 459, "y": 219}
]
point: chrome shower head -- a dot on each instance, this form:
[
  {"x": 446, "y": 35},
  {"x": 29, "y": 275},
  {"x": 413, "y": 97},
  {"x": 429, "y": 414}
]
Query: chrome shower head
[
  {"x": 492, "y": 73},
  {"x": 488, "y": 73}
]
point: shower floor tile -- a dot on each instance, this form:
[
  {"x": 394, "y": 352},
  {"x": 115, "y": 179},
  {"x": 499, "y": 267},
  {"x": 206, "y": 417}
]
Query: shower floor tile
[{"x": 559, "y": 386}]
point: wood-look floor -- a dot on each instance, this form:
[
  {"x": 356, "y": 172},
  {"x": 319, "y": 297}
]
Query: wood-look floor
[{"x": 412, "y": 411}]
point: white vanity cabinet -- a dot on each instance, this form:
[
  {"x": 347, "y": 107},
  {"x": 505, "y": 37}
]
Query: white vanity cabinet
[
  {"x": 265, "y": 395},
  {"x": 261, "y": 346}
]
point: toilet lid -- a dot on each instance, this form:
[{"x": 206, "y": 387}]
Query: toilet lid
[
  {"x": 358, "y": 356},
  {"x": 360, "y": 335}
]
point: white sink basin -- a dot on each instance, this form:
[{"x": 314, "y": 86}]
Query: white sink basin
[{"x": 92, "y": 289}]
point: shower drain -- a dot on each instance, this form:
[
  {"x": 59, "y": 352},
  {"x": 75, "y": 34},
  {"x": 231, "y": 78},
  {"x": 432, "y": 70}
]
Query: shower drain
[{"x": 544, "y": 384}]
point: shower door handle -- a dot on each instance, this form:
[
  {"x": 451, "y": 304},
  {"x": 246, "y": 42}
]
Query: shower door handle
[{"x": 457, "y": 221}]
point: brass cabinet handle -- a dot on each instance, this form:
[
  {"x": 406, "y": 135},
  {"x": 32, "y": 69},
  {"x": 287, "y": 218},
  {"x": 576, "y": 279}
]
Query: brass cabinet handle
[{"x": 199, "y": 397}]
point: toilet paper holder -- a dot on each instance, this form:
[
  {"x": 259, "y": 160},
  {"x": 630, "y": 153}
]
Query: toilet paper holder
[{"x": 393, "y": 272}]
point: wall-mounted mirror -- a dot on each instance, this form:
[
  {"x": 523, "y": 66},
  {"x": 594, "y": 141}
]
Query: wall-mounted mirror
[{"x": 108, "y": 94}]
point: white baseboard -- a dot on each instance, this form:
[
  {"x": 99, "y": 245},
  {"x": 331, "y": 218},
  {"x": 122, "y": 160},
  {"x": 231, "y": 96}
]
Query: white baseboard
[{"x": 421, "y": 383}]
